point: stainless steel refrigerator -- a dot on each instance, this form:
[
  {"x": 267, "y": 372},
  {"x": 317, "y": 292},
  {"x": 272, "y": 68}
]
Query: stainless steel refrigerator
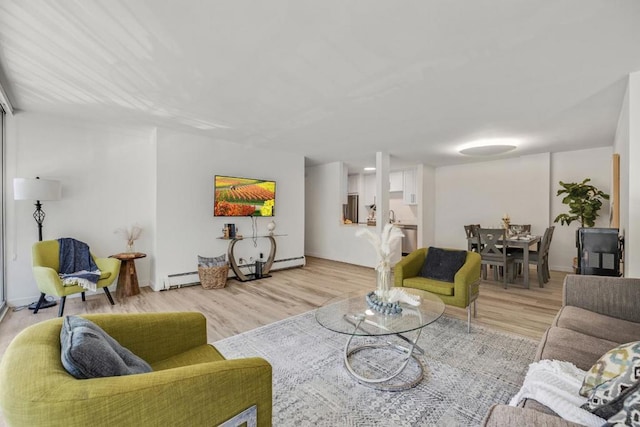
[{"x": 350, "y": 210}]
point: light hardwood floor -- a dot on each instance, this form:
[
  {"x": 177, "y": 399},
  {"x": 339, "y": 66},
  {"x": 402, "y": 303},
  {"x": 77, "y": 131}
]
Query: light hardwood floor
[{"x": 241, "y": 307}]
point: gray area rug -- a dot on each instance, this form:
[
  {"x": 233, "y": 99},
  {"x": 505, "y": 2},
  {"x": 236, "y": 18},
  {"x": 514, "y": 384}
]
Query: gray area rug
[{"x": 464, "y": 375}]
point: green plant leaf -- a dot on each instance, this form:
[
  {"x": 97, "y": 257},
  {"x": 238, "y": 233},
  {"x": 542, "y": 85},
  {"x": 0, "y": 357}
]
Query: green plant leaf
[{"x": 584, "y": 201}]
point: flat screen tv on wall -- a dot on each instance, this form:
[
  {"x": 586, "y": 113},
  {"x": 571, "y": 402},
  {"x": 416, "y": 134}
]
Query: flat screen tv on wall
[{"x": 243, "y": 196}]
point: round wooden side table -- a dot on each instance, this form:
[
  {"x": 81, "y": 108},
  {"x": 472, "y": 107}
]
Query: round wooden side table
[{"x": 128, "y": 278}]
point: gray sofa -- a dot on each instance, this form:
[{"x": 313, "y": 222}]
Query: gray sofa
[{"x": 598, "y": 313}]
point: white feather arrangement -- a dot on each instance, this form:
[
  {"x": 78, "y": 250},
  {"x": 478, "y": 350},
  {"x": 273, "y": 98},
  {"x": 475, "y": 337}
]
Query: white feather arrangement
[
  {"x": 130, "y": 234},
  {"x": 382, "y": 244}
]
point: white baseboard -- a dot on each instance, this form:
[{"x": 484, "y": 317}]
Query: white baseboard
[
  {"x": 179, "y": 280},
  {"x": 561, "y": 268}
]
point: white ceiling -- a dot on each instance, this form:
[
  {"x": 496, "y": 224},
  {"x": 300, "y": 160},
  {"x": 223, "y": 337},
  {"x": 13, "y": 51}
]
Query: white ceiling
[{"x": 332, "y": 79}]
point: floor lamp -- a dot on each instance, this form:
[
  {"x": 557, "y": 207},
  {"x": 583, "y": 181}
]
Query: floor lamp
[{"x": 37, "y": 189}]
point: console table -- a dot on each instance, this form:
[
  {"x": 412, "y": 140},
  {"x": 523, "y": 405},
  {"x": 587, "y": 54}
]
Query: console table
[{"x": 267, "y": 265}]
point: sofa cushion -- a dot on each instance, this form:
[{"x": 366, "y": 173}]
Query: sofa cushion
[
  {"x": 87, "y": 351},
  {"x": 442, "y": 264},
  {"x": 503, "y": 415},
  {"x": 597, "y": 325},
  {"x": 535, "y": 405},
  {"x": 429, "y": 285},
  {"x": 580, "y": 349}
]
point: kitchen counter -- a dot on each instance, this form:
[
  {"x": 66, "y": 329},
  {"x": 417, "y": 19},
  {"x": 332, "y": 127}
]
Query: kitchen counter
[
  {"x": 406, "y": 226},
  {"x": 397, "y": 224}
]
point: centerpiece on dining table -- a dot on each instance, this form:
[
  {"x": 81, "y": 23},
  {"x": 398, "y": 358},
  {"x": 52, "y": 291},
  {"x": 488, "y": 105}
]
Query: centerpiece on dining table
[
  {"x": 385, "y": 299},
  {"x": 506, "y": 221}
]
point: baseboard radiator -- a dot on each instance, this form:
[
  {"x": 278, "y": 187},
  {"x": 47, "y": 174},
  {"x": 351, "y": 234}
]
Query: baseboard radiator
[{"x": 191, "y": 278}]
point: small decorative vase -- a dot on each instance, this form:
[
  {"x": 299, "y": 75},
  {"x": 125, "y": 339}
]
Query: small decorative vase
[
  {"x": 271, "y": 226},
  {"x": 383, "y": 285},
  {"x": 130, "y": 247}
]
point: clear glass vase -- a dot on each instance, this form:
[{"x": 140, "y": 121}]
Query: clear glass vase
[
  {"x": 130, "y": 247},
  {"x": 383, "y": 284}
]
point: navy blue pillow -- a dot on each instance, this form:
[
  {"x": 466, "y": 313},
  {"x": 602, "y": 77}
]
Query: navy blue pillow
[{"x": 442, "y": 264}]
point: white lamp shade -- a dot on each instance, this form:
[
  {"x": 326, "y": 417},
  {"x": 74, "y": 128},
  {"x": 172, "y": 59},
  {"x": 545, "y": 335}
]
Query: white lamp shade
[{"x": 36, "y": 189}]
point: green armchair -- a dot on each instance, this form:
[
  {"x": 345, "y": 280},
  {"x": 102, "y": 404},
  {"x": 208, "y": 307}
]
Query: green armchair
[
  {"x": 45, "y": 259},
  {"x": 461, "y": 293},
  {"x": 191, "y": 383}
]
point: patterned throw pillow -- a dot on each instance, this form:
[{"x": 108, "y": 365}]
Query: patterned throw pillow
[
  {"x": 217, "y": 261},
  {"x": 629, "y": 415},
  {"x": 614, "y": 363},
  {"x": 606, "y": 399}
]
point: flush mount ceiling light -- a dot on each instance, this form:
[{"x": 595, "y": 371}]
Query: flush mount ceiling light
[
  {"x": 369, "y": 168},
  {"x": 488, "y": 147}
]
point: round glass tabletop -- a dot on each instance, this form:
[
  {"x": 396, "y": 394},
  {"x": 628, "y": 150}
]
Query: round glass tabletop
[{"x": 342, "y": 313}]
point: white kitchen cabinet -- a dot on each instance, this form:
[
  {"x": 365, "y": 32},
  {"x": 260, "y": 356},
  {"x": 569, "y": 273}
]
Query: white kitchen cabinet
[
  {"x": 353, "y": 183},
  {"x": 396, "y": 181},
  {"x": 409, "y": 187},
  {"x": 368, "y": 198}
]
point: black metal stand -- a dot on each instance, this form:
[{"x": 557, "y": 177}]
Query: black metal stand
[{"x": 39, "y": 215}]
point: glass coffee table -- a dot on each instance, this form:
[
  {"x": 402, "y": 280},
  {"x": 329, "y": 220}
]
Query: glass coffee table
[{"x": 349, "y": 314}]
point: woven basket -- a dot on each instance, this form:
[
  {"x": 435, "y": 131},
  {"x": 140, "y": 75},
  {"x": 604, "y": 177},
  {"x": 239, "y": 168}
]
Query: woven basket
[{"x": 213, "y": 277}]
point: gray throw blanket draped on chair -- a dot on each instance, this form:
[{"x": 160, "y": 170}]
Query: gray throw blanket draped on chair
[{"x": 77, "y": 266}]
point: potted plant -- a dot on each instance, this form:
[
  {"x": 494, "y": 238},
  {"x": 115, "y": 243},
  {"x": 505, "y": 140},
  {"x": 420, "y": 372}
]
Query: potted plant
[{"x": 584, "y": 201}]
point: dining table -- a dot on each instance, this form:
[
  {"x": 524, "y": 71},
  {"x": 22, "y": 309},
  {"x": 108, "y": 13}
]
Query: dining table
[
  {"x": 524, "y": 243},
  {"x": 521, "y": 242}
]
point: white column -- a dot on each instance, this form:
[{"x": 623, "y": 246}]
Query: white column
[
  {"x": 382, "y": 190},
  {"x": 383, "y": 163}
]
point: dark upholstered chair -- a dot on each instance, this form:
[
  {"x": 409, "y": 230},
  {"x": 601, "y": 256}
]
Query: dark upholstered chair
[
  {"x": 471, "y": 231},
  {"x": 539, "y": 258},
  {"x": 494, "y": 253}
]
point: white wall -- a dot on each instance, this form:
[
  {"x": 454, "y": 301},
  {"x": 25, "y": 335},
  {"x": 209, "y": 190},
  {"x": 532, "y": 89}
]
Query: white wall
[
  {"x": 186, "y": 227},
  {"x": 117, "y": 176},
  {"x": 481, "y": 193},
  {"x": 453, "y": 196},
  {"x": 525, "y": 188},
  {"x": 575, "y": 166},
  {"x": 627, "y": 144},
  {"x": 325, "y": 236},
  {"x": 632, "y": 243},
  {"x": 107, "y": 183},
  {"x": 621, "y": 147},
  {"x": 405, "y": 214}
]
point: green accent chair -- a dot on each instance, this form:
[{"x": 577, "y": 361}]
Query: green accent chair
[
  {"x": 45, "y": 260},
  {"x": 461, "y": 293},
  {"x": 191, "y": 383}
]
